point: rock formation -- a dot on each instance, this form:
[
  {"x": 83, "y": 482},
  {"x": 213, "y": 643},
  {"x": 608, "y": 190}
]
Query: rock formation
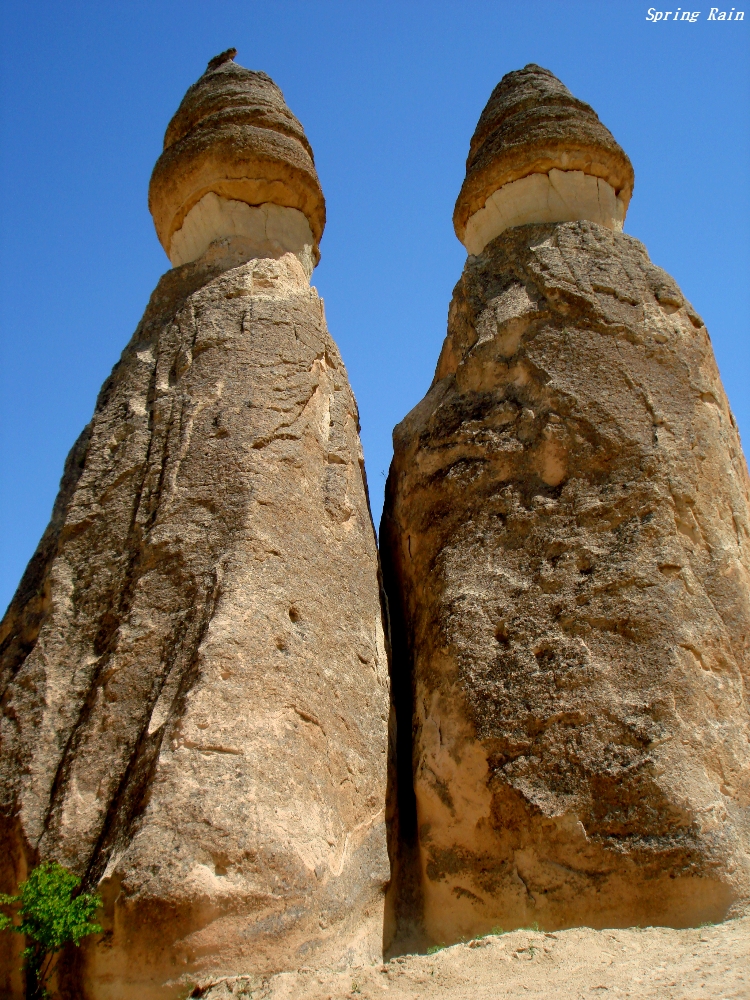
[
  {"x": 566, "y": 552},
  {"x": 539, "y": 155},
  {"x": 236, "y": 162},
  {"x": 194, "y": 680}
]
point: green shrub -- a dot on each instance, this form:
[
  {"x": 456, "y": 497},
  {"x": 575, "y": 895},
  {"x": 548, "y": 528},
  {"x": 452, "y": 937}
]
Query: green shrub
[{"x": 49, "y": 916}]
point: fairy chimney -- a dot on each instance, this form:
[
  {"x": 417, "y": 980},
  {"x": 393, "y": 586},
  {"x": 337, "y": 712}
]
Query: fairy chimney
[
  {"x": 539, "y": 155},
  {"x": 236, "y": 162},
  {"x": 566, "y": 552},
  {"x": 194, "y": 673}
]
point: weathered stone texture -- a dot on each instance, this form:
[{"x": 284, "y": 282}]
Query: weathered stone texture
[
  {"x": 566, "y": 549},
  {"x": 654, "y": 963},
  {"x": 539, "y": 155},
  {"x": 234, "y": 136},
  {"x": 532, "y": 124},
  {"x": 194, "y": 676}
]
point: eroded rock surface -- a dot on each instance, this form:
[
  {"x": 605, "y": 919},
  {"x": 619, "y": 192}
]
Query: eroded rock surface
[
  {"x": 538, "y": 154},
  {"x": 566, "y": 547},
  {"x": 195, "y": 686},
  {"x": 653, "y": 963},
  {"x": 233, "y": 147},
  {"x": 194, "y": 674}
]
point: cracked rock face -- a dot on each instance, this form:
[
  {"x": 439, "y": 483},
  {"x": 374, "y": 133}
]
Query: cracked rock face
[
  {"x": 566, "y": 549},
  {"x": 195, "y": 686}
]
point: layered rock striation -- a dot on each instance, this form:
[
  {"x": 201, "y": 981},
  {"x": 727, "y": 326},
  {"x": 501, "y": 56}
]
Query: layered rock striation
[
  {"x": 539, "y": 155},
  {"x": 236, "y": 162},
  {"x": 195, "y": 686},
  {"x": 566, "y": 551}
]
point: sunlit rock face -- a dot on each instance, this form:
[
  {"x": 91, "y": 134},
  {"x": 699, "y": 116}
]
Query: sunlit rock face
[
  {"x": 559, "y": 196},
  {"x": 539, "y": 155},
  {"x": 194, "y": 675},
  {"x": 268, "y": 230},
  {"x": 566, "y": 551},
  {"x": 233, "y": 137}
]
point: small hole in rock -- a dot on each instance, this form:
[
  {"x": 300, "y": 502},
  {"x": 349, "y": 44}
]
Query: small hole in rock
[
  {"x": 545, "y": 658},
  {"x": 501, "y": 634}
]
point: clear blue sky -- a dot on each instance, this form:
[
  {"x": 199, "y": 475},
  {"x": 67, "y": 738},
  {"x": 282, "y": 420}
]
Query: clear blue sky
[{"x": 389, "y": 94}]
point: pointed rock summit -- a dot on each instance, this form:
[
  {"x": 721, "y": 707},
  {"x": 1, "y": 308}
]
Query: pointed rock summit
[
  {"x": 539, "y": 155},
  {"x": 195, "y": 686},
  {"x": 566, "y": 551},
  {"x": 236, "y": 162}
]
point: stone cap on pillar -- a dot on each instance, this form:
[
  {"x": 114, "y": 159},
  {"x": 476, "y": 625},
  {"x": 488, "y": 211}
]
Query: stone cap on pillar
[
  {"x": 539, "y": 155},
  {"x": 236, "y": 163}
]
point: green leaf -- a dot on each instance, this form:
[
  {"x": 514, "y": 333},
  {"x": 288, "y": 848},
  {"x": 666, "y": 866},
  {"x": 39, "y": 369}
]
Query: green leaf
[
  {"x": 49, "y": 913},
  {"x": 50, "y": 917}
]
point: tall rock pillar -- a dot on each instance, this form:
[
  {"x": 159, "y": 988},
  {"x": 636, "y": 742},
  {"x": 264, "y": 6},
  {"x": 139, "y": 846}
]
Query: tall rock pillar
[
  {"x": 566, "y": 549},
  {"x": 195, "y": 684}
]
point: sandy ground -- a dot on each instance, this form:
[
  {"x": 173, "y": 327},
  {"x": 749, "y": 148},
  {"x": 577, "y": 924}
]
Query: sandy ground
[{"x": 709, "y": 963}]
